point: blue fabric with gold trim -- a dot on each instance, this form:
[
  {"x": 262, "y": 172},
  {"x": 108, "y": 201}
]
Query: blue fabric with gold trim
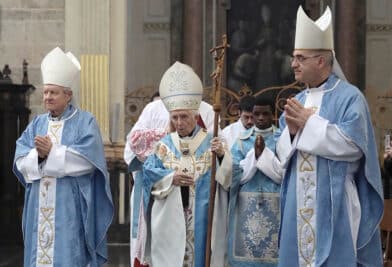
[
  {"x": 154, "y": 170},
  {"x": 84, "y": 208},
  {"x": 346, "y": 107}
]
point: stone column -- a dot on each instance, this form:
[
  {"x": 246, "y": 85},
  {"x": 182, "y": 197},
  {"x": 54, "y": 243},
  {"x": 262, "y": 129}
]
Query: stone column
[
  {"x": 117, "y": 68},
  {"x": 176, "y": 30},
  {"x": 193, "y": 35},
  {"x": 346, "y": 38}
]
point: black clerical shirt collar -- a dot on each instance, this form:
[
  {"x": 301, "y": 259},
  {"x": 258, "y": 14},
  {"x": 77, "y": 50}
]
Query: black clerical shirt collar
[{"x": 324, "y": 81}]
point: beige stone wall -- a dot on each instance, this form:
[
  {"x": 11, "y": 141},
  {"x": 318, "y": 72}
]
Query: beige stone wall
[
  {"x": 378, "y": 67},
  {"x": 148, "y": 53},
  {"x": 28, "y": 30}
]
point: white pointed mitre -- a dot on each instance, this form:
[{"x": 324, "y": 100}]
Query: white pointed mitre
[
  {"x": 59, "y": 68},
  {"x": 180, "y": 88},
  {"x": 311, "y": 34}
]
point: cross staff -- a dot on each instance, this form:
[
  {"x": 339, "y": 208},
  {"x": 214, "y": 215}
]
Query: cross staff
[{"x": 219, "y": 57}]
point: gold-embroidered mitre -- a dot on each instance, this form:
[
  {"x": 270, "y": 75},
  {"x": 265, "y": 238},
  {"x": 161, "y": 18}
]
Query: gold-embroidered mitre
[{"x": 181, "y": 88}]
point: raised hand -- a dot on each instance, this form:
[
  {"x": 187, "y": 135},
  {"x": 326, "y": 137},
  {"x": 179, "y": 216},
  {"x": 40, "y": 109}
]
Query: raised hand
[{"x": 296, "y": 115}]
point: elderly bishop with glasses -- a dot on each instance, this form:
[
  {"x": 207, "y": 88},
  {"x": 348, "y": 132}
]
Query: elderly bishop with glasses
[{"x": 331, "y": 196}]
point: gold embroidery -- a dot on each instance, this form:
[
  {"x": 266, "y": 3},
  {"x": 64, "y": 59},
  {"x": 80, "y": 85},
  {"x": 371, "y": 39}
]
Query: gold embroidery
[
  {"x": 161, "y": 150},
  {"x": 188, "y": 164},
  {"x": 192, "y": 190},
  {"x": 307, "y": 236},
  {"x": 54, "y": 128},
  {"x": 46, "y": 236},
  {"x": 305, "y": 165},
  {"x": 190, "y": 235},
  {"x": 184, "y": 148}
]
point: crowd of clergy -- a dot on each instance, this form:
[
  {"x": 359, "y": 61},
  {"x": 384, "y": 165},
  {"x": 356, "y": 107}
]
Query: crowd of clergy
[{"x": 305, "y": 191}]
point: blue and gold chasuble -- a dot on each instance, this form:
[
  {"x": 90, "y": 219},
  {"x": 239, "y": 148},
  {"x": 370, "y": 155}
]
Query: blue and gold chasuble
[
  {"x": 330, "y": 241},
  {"x": 182, "y": 235},
  {"x": 253, "y": 210},
  {"x": 65, "y": 219}
]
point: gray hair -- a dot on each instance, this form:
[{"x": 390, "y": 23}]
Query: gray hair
[
  {"x": 72, "y": 101},
  {"x": 193, "y": 112},
  {"x": 328, "y": 55}
]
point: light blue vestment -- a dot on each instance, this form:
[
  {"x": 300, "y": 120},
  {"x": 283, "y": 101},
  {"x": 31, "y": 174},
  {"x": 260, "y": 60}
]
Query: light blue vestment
[
  {"x": 253, "y": 211},
  {"x": 154, "y": 171},
  {"x": 84, "y": 208},
  {"x": 346, "y": 107}
]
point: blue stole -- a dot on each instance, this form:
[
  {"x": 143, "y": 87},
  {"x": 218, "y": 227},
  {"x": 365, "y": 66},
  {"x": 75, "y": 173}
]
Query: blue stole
[
  {"x": 346, "y": 107},
  {"x": 154, "y": 171},
  {"x": 253, "y": 211},
  {"x": 84, "y": 208}
]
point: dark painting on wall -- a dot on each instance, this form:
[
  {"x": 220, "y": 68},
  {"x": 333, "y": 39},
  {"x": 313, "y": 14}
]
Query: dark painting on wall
[{"x": 261, "y": 36}]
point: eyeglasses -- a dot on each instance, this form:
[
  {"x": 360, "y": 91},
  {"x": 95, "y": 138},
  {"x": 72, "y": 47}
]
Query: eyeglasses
[{"x": 301, "y": 59}]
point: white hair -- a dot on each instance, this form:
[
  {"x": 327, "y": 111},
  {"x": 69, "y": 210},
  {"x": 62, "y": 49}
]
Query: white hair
[
  {"x": 192, "y": 112},
  {"x": 72, "y": 101}
]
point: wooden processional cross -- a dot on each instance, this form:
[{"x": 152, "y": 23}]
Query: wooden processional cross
[{"x": 218, "y": 53}]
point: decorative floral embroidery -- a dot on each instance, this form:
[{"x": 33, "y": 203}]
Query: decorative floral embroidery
[
  {"x": 194, "y": 167},
  {"x": 306, "y": 212},
  {"x": 185, "y": 101},
  {"x": 178, "y": 82},
  {"x": 190, "y": 233},
  {"x": 307, "y": 185},
  {"x": 258, "y": 221}
]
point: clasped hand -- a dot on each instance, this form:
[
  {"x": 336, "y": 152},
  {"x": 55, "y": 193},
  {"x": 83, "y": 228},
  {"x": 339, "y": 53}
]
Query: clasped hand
[
  {"x": 43, "y": 144},
  {"x": 296, "y": 115},
  {"x": 182, "y": 179},
  {"x": 259, "y": 146}
]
